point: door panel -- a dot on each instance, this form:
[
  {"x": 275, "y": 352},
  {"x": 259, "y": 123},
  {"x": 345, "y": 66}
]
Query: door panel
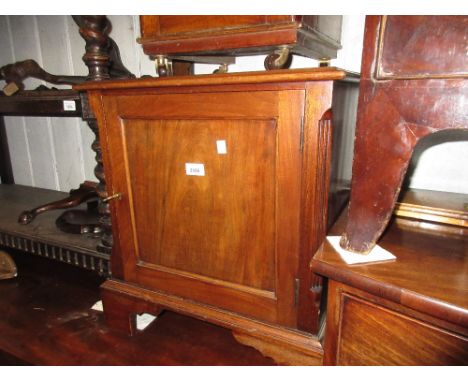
[
  {"x": 218, "y": 224},
  {"x": 228, "y": 237}
]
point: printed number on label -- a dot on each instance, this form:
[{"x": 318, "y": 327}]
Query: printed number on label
[
  {"x": 195, "y": 169},
  {"x": 69, "y": 105}
]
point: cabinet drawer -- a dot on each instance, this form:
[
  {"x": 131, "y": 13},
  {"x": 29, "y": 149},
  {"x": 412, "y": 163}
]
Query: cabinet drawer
[{"x": 370, "y": 334}]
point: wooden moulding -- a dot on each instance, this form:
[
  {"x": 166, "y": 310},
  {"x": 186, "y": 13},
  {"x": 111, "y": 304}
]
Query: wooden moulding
[
  {"x": 41, "y": 103},
  {"x": 123, "y": 301},
  {"x": 434, "y": 206},
  {"x": 60, "y": 251},
  {"x": 260, "y": 77},
  {"x": 260, "y": 39}
]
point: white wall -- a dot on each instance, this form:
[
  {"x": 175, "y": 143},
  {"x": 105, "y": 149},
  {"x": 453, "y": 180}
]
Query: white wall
[{"x": 55, "y": 153}]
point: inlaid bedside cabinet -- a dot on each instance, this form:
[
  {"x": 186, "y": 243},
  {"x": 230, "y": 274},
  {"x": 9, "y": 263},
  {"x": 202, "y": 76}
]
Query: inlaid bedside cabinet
[{"x": 219, "y": 188}]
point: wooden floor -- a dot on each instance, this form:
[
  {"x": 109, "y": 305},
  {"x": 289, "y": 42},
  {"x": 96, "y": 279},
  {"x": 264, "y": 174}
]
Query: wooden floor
[{"x": 45, "y": 319}]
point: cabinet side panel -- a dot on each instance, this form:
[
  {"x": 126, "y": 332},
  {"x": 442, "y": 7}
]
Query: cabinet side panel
[{"x": 315, "y": 169}]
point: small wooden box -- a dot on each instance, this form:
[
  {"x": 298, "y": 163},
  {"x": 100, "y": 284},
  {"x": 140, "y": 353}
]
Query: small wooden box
[{"x": 311, "y": 36}]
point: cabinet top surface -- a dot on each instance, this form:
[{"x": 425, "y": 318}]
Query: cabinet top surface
[
  {"x": 260, "y": 77},
  {"x": 430, "y": 272}
]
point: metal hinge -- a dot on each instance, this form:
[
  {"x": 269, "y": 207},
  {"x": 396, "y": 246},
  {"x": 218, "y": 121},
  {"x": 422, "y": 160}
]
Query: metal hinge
[
  {"x": 301, "y": 142},
  {"x": 297, "y": 284}
]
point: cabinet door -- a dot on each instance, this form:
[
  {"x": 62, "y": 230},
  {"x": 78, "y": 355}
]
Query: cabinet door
[{"x": 211, "y": 196}]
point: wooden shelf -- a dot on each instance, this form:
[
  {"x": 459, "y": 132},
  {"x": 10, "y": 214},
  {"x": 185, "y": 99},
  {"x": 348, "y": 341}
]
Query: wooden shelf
[
  {"x": 41, "y": 237},
  {"x": 434, "y": 206},
  {"x": 41, "y": 103}
]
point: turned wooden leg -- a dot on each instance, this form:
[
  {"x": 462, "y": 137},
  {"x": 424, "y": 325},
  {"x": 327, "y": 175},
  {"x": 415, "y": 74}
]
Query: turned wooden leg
[
  {"x": 103, "y": 208},
  {"x": 95, "y": 31}
]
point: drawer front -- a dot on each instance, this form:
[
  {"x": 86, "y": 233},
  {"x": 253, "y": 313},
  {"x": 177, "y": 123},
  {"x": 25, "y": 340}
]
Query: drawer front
[
  {"x": 211, "y": 196},
  {"x": 370, "y": 334}
]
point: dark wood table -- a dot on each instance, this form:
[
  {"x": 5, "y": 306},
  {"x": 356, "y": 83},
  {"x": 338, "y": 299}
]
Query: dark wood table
[{"x": 46, "y": 319}]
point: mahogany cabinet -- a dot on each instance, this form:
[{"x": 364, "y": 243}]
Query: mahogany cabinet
[
  {"x": 219, "y": 188},
  {"x": 195, "y": 36}
]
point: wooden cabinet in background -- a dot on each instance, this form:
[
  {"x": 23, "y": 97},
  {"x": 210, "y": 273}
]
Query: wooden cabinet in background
[
  {"x": 221, "y": 187},
  {"x": 408, "y": 311},
  {"x": 191, "y": 36}
]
